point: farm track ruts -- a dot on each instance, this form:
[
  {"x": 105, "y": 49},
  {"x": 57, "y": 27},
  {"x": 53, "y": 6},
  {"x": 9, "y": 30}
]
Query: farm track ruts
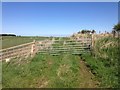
[{"x": 87, "y": 78}]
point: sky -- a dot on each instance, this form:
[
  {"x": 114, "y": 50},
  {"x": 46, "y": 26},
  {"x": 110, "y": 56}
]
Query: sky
[{"x": 57, "y": 18}]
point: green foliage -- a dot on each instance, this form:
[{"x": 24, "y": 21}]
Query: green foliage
[
  {"x": 117, "y": 27},
  {"x": 105, "y": 63},
  {"x": 86, "y": 31},
  {"x": 93, "y": 31}
]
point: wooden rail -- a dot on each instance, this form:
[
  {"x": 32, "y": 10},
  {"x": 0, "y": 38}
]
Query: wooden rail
[
  {"x": 64, "y": 46},
  {"x": 23, "y": 50},
  {"x": 17, "y": 51},
  {"x": 29, "y": 49}
]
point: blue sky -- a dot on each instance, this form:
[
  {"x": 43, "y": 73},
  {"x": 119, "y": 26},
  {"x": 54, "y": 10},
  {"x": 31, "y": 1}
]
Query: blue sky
[{"x": 57, "y": 18}]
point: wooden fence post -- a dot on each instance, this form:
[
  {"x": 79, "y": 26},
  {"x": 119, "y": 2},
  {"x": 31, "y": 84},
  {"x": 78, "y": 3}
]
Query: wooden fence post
[
  {"x": 92, "y": 40},
  {"x": 92, "y": 44},
  {"x": 33, "y": 48}
]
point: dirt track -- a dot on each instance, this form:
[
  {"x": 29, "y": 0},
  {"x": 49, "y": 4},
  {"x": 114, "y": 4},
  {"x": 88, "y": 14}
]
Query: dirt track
[{"x": 87, "y": 78}]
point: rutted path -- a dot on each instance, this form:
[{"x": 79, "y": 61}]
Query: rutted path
[{"x": 87, "y": 78}]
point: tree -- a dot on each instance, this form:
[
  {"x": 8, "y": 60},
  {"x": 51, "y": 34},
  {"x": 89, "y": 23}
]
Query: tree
[
  {"x": 116, "y": 29},
  {"x": 93, "y": 31},
  {"x": 85, "y": 31}
]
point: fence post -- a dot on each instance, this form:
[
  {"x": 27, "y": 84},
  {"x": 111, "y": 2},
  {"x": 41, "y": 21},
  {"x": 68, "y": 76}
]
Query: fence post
[
  {"x": 92, "y": 40},
  {"x": 93, "y": 43},
  {"x": 33, "y": 48}
]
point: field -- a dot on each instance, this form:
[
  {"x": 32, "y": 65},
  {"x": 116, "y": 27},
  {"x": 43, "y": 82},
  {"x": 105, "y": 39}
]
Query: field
[
  {"x": 9, "y": 41},
  {"x": 89, "y": 70}
]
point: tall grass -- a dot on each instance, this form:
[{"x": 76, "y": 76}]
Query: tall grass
[{"x": 104, "y": 64}]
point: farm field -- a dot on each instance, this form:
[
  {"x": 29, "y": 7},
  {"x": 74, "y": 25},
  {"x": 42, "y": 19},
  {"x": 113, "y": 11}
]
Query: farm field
[{"x": 9, "y": 41}]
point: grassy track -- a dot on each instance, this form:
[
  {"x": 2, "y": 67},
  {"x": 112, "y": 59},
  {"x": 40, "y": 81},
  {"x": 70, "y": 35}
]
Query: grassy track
[{"x": 46, "y": 71}]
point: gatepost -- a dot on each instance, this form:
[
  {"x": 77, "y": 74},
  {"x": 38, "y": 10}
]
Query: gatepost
[{"x": 34, "y": 48}]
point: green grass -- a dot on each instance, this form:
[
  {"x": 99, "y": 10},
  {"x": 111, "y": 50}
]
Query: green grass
[
  {"x": 46, "y": 71},
  {"x": 104, "y": 64},
  {"x": 41, "y": 69},
  {"x": 9, "y": 41}
]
